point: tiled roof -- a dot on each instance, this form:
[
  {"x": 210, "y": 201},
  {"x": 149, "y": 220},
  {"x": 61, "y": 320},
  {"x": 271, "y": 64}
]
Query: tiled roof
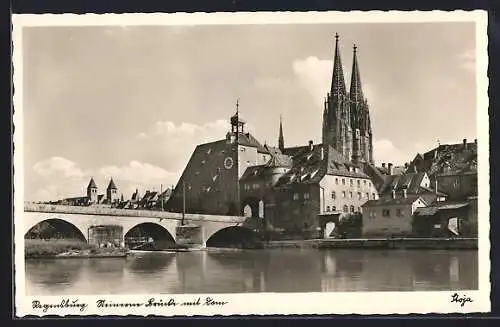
[
  {"x": 248, "y": 139},
  {"x": 410, "y": 181},
  {"x": 390, "y": 201},
  {"x": 253, "y": 172},
  {"x": 280, "y": 160},
  {"x": 308, "y": 167},
  {"x": 111, "y": 185},
  {"x": 439, "y": 206},
  {"x": 92, "y": 183},
  {"x": 447, "y": 159}
]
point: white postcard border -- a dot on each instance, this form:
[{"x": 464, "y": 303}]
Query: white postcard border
[{"x": 262, "y": 303}]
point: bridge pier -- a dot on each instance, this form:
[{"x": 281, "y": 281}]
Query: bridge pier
[{"x": 189, "y": 236}]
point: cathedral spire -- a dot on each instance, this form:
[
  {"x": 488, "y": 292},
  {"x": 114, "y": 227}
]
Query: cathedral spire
[
  {"x": 338, "y": 82},
  {"x": 281, "y": 139},
  {"x": 356, "y": 92}
]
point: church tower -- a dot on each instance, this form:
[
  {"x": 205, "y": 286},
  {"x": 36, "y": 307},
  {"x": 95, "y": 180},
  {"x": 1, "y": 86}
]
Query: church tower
[
  {"x": 92, "y": 191},
  {"x": 337, "y": 129},
  {"x": 360, "y": 117},
  {"x": 281, "y": 139},
  {"x": 346, "y": 116},
  {"x": 111, "y": 194}
]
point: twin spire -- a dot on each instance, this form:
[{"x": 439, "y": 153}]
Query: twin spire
[{"x": 338, "y": 83}]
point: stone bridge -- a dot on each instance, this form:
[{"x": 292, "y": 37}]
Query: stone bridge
[{"x": 196, "y": 230}]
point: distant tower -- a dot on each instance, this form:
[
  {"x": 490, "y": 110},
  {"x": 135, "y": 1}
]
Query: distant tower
[
  {"x": 92, "y": 191},
  {"x": 111, "y": 191},
  {"x": 237, "y": 125},
  {"x": 281, "y": 139}
]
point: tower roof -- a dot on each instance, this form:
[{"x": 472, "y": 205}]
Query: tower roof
[
  {"x": 338, "y": 82},
  {"x": 111, "y": 185},
  {"x": 356, "y": 92},
  {"x": 92, "y": 183},
  {"x": 281, "y": 139}
]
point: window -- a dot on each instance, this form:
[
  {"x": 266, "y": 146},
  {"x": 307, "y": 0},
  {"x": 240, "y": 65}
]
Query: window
[
  {"x": 306, "y": 195},
  {"x": 334, "y": 208},
  {"x": 373, "y": 213},
  {"x": 359, "y": 209},
  {"x": 373, "y": 196},
  {"x": 352, "y": 208},
  {"x": 350, "y": 195},
  {"x": 343, "y": 194},
  {"x": 336, "y": 181},
  {"x": 350, "y": 182},
  {"x": 295, "y": 196},
  {"x": 242, "y": 149},
  {"x": 346, "y": 209},
  {"x": 327, "y": 208},
  {"x": 334, "y": 196},
  {"x": 343, "y": 181},
  {"x": 364, "y": 182},
  {"x": 386, "y": 212},
  {"x": 367, "y": 195},
  {"x": 399, "y": 212},
  {"x": 359, "y": 195},
  {"x": 359, "y": 183}
]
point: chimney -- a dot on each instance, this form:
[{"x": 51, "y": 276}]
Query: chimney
[
  {"x": 311, "y": 145},
  {"x": 404, "y": 193},
  {"x": 475, "y": 141},
  {"x": 322, "y": 153},
  {"x": 383, "y": 164},
  {"x": 393, "y": 194},
  {"x": 465, "y": 143},
  {"x": 389, "y": 168}
]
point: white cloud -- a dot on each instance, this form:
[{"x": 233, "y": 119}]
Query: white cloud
[
  {"x": 315, "y": 76},
  {"x": 187, "y": 131},
  {"x": 58, "y": 165},
  {"x": 385, "y": 151},
  {"x": 57, "y": 178}
]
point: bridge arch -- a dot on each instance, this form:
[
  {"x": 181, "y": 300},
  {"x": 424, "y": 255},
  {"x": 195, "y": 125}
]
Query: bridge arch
[
  {"x": 56, "y": 228},
  {"x": 233, "y": 236},
  {"x": 151, "y": 233}
]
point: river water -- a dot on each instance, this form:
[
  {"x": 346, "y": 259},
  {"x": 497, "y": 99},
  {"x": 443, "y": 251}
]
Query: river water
[{"x": 273, "y": 270}]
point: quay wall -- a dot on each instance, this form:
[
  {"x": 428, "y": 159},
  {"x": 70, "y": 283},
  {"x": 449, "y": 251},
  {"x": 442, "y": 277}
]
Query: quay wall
[{"x": 390, "y": 243}]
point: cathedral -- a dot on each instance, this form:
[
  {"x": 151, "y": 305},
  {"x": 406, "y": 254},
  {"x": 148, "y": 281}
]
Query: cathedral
[
  {"x": 288, "y": 186},
  {"x": 346, "y": 118}
]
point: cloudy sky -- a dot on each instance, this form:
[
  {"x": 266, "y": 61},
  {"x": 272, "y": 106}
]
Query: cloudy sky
[{"x": 133, "y": 102}]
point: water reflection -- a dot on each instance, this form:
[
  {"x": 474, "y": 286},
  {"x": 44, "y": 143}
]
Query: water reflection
[{"x": 287, "y": 270}]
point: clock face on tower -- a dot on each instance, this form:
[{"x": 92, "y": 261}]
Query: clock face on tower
[{"x": 228, "y": 163}]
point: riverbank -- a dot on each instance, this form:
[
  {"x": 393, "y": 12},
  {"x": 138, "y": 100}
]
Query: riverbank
[
  {"x": 37, "y": 249},
  {"x": 388, "y": 243}
]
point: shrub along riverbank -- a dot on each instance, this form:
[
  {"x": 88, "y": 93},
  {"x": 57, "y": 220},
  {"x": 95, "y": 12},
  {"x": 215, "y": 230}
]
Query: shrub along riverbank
[{"x": 53, "y": 248}]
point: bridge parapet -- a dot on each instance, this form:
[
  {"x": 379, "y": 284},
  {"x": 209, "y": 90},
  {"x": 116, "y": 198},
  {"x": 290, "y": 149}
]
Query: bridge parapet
[{"x": 107, "y": 211}]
